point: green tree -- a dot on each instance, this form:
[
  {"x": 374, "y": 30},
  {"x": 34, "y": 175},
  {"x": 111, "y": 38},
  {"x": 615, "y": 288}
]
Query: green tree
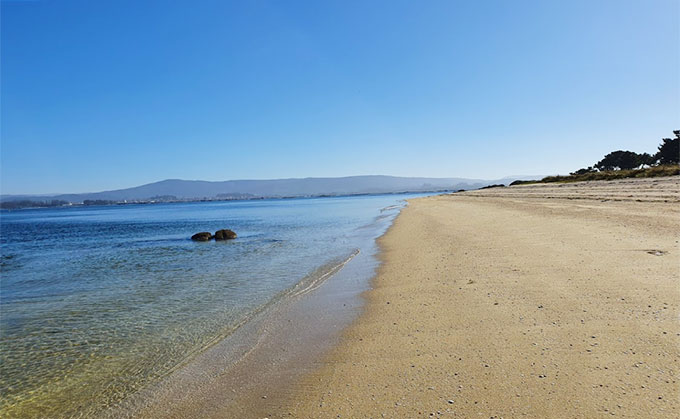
[
  {"x": 669, "y": 150},
  {"x": 624, "y": 160},
  {"x": 646, "y": 160},
  {"x": 589, "y": 169}
]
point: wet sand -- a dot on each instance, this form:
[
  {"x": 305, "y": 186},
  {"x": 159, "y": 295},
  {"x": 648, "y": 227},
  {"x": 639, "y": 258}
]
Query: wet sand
[{"x": 531, "y": 301}]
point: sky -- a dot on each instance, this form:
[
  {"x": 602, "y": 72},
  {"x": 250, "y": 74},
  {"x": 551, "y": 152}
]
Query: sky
[{"x": 99, "y": 95}]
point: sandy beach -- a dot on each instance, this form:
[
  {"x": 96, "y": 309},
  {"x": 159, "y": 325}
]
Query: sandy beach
[{"x": 530, "y": 301}]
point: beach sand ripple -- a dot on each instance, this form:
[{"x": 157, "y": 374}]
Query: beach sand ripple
[{"x": 534, "y": 301}]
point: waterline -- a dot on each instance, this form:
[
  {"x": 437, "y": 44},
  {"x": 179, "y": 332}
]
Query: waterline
[{"x": 87, "y": 322}]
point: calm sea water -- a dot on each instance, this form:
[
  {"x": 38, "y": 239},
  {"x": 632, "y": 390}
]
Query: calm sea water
[{"x": 98, "y": 302}]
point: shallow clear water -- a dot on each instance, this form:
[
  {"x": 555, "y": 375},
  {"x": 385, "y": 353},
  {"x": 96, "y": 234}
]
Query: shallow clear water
[{"x": 97, "y": 302}]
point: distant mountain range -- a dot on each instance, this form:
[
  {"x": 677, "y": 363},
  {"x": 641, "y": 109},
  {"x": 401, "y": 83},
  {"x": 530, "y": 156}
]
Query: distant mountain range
[{"x": 183, "y": 190}]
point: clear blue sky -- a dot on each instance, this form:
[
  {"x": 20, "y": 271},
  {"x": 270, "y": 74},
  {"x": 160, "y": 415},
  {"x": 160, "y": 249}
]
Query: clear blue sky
[{"x": 108, "y": 94}]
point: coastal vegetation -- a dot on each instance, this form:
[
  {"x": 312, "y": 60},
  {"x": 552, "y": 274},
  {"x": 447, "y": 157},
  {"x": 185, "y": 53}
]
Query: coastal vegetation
[
  {"x": 98, "y": 202},
  {"x": 27, "y": 203},
  {"x": 621, "y": 164}
]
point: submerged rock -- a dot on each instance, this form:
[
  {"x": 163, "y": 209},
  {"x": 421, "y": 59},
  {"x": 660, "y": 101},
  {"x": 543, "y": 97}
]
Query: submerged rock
[
  {"x": 224, "y": 234},
  {"x": 203, "y": 236}
]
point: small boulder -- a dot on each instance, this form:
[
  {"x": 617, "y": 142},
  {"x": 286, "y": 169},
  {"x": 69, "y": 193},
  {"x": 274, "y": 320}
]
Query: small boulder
[
  {"x": 202, "y": 236},
  {"x": 225, "y": 234}
]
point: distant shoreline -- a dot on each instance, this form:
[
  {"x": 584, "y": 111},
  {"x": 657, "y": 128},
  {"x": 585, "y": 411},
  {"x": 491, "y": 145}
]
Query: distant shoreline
[
  {"x": 182, "y": 201},
  {"x": 191, "y": 190}
]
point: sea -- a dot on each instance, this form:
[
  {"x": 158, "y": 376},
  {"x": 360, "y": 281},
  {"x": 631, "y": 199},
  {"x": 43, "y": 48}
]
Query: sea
[{"x": 100, "y": 302}]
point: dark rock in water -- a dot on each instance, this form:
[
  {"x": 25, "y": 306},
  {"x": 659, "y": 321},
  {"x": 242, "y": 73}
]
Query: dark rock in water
[
  {"x": 202, "y": 237},
  {"x": 225, "y": 234}
]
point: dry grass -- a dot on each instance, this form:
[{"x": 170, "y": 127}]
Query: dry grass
[{"x": 655, "y": 171}]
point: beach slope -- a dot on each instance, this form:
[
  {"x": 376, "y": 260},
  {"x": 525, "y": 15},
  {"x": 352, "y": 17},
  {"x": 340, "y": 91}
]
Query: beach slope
[{"x": 535, "y": 301}]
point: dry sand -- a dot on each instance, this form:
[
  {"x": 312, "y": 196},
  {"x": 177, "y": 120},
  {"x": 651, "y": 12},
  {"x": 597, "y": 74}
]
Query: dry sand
[{"x": 532, "y": 301}]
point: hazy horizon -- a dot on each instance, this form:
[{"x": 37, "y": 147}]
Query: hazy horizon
[
  {"x": 2, "y": 193},
  {"x": 108, "y": 95},
  {"x": 260, "y": 180}
]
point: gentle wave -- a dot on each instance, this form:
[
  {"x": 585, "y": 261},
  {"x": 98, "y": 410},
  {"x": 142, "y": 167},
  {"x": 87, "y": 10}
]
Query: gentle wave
[{"x": 119, "y": 298}]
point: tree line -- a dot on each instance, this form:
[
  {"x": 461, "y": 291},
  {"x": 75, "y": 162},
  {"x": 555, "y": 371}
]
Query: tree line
[
  {"x": 668, "y": 153},
  {"x": 26, "y": 203}
]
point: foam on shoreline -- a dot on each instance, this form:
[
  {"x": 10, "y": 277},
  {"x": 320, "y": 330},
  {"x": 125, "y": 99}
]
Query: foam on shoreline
[{"x": 269, "y": 349}]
